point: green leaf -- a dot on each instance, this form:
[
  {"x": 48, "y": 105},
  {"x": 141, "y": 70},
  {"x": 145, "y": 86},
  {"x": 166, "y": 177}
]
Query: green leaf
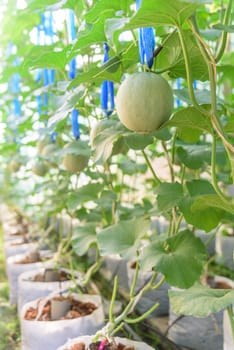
[
  {"x": 199, "y": 187},
  {"x": 84, "y": 194},
  {"x": 212, "y": 201},
  {"x": 157, "y": 12},
  {"x": 206, "y": 218},
  {"x": 138, "y": 141},
  {"x": 105, "y": 8},
  {"x": 70, "y": 101},
  {"x": 78, "y": 147},
  {"x": 15, "y": 24},
  {"x": 200, "y": 301},
  {"x": 171, "y": 57},
  {"x": 190, "y": 119},
  {"x": 106, "y": 140},
  {"x": 123, "y": 238},
  {"x": 95, "y": 75},
  {"x": 225, "y": 28},
  {"x": 169, "y": 196},
  {"x": 83, "y": 237},
  {"x": 179, "y": 258},
  {"x": 45, "y": 57},
  {"x": 92, "y": 34},
  {"x": 199, "y": 155},
  {"x": 129, "y": 167},
  {"x": 202, "y": 96},
  {"x": 112, "y": 25},
  {"x": 229, "y": 127}
]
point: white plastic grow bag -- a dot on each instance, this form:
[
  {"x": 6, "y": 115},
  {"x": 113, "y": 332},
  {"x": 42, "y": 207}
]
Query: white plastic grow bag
[
  {"x": 17, "y": 246},
  {"x": 225, "y": 250},
  {"x": 29, "y": 289},
  {"x": 87, "y": 340},
  {"x": 14, "y": 269},
  {"x": 113, "y": 266},
  {"x": 39, "y": 335},
  {"x": 228, "y": 340}
]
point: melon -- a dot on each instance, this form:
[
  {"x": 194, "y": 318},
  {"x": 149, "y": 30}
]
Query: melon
[{"x": 144, "y": 102}]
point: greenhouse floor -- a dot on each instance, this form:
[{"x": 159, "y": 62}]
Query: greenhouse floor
[{"x": 9, "y": 324}]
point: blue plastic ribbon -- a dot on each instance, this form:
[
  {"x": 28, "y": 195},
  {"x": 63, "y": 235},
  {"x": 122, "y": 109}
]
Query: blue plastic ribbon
[
  {"x": 178, "y": 86},
  {"x": 107, "y": 88},
  {"x": 52, "y": 76},
  {"x": 46, "y": 76},
  {"x": 38, "y": 75},
  {"x": 71, "y": 29},
  {"x": 14, "y": 84},
  {"x": 72, "y": 70},
  {"x": 53, "y": 136},
  {"x": 39, "y": 104},
  {"x": 75, "y": 123},
  {"x": 146, "y": 43},
  {"x": 17, "y": 107}
]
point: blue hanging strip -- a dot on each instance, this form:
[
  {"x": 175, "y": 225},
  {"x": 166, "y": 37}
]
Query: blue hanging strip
[
  {"x": 38, "y": 75},
  {"x": 46, "y": 77},
  {"x": 146, "y": 43},
  {"x": 72, "y": 27},
  {"x": 17, "y": 107},
  {"x": 71, "y": 30},
  {"x": 14, "y": 84},
  {"x": 75, "y": 123},
  {"x": 39, "y": 104},
  {"x": 72, "y": 69},
  {"x": 107, "y": 88},
  {"x": 52, "y": 76},
  {"x": 53, "y": 137},
  {"x": 45, "y": 83},
  {"x": 178, "y": 86}
]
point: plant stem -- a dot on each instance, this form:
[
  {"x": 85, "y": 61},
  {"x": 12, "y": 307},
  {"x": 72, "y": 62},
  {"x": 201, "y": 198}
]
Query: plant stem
[
  {"x": 212, "y": 78},
  {"x": 231, "y": 318},
  {"x": 133, "y": 285},
  {"x": 157, "y": 180},
  {"x": 118, "y": 322},
  {"x": 189, "y": 72},
  {"x": 213, "y": 172},
  {"x": 226, "y": 21},
  {"x": 177, "y": 226},
  {"x": 114, "y": 293},
  {"x": 169, "y": 161},
  {"x": 95, "y": 267},
  {"x": 143, "y": 316}
]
